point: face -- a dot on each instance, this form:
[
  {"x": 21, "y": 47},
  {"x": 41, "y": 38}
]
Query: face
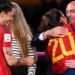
[
  {"x": 10, "y": 14},
  {"x": 70, "y": 12},
  {"x": 6, "y": 18}
]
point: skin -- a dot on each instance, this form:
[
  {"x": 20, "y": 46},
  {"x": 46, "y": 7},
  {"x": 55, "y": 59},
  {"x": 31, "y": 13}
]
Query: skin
[
  {"x": 70, "y": 12},
  {"x": 55, "y": 32}
]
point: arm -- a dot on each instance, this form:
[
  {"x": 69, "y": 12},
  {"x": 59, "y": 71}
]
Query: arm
[
  {"x": 36, "y": 41},
  {"x": 40, "y": 38},
  {"x": 7, "y": 49},
  {"x": 11, "y": 60}
]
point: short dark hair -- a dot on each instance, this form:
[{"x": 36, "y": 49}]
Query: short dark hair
[{"x": 5, "y": 5}]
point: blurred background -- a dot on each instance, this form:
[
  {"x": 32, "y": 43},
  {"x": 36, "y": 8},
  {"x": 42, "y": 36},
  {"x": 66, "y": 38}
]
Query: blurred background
[{"x": 33, "y": 11}]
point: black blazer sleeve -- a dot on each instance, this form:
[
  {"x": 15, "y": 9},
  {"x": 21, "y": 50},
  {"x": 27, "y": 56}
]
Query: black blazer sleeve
[{"x": 36, "y": 42}]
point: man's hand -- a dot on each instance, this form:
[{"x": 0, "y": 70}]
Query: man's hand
[{"x": 56, "y": 32}]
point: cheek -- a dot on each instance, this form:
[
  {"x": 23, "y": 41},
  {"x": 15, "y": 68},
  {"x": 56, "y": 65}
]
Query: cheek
[
  {"x": 70, "y": 15},
  {"x": 73, "y": 14},
  {"x": 10, "y": 18}
]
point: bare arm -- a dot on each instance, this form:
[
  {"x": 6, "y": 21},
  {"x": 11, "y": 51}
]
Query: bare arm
[{"x": 11, "y": 60}]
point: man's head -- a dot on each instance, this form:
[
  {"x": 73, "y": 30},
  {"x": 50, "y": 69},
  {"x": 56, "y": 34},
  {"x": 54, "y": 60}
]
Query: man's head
[{"x": 70, "y": 11}]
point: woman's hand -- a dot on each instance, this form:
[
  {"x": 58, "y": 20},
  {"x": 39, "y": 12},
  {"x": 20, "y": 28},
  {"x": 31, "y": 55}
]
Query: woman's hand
[
  {"x": 63, "y": 20},
  {"x": 70, "y": 63},
  {"x": 27, "y": 61}
]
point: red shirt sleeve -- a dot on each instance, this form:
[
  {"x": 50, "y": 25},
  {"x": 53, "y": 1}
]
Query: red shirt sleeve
[{"x": 5, "y": 38}]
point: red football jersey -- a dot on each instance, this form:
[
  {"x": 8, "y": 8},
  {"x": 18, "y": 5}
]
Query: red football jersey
[
  {"x": 5, "y": 41},
  {"x": 62, "y": 49}
]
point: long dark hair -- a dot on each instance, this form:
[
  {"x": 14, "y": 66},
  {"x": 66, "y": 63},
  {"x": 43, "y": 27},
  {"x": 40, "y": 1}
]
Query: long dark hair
[{"x": 50, "y": 19}]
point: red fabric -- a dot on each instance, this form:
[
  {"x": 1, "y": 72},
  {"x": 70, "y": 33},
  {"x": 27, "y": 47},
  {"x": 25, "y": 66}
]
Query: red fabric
[
  {"x": 4, "y": 69},
  {"x": 59, "y": 66}
]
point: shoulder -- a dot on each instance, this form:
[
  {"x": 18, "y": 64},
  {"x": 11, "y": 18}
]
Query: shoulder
[
  {"x": 4, "y": 28},
  {"x": 29, "y": 38},
  {"x": 1, "y": 30}
]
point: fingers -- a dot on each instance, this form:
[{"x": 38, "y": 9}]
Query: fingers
[
  {"x": 63, "y": 31},
  {"x": 27, "y": 61},
  {"x": 63, "y": 19},
  {"x": 30, "y": 61},
  {"x": 56, "y": 32},
  {"x": 60, "y": 35},
  {"x": 70, "y": 63},
  {"x": 60, "y": 32}
]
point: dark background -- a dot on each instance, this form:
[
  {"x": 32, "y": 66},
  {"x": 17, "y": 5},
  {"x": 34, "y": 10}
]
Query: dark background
[{"x": 34, "y": 9}]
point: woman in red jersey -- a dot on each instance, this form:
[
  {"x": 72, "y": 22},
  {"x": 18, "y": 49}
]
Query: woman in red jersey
[
  {"x": 5, "y": 41},
  {"x": 11, "y": 15}
]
